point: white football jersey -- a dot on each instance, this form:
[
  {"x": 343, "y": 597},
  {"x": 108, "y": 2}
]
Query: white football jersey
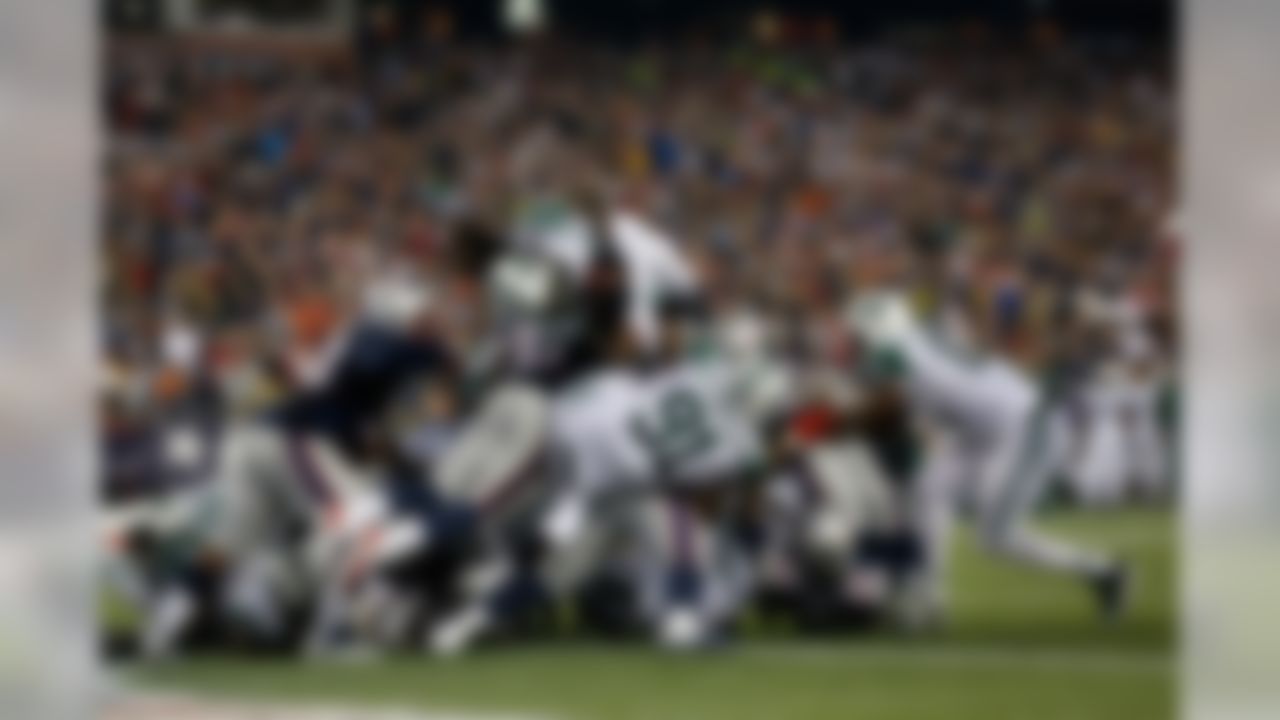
[
  {"x": 593, "y": 435},
  {"x": 685, "y": 425},
  {"x": 697, "y": 423},
  {"x": 975, "y": 393},
  {"x": 655, "y": 268}
]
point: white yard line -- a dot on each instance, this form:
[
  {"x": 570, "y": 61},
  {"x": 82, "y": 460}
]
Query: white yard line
[
  {"x": 138, "y": 704},
  {"x": 149, "y": 705}
]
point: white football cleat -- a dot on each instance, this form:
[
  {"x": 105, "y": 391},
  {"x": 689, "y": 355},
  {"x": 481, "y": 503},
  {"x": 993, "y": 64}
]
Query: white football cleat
[
  {"x": 171, "y": 614},
  {"x": 682, "y": 630},
  {"x": 458, "y": 633}
]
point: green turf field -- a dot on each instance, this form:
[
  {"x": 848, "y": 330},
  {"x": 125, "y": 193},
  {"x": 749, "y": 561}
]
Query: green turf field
[{"x": 1020, "y": 647}]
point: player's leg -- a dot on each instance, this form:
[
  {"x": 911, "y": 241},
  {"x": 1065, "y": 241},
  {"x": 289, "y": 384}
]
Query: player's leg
[
  {"x": 680, "y": 596},
  {"x": 1149, "y": 466},
  {"x": 930, "y": 513},
  {"x": 854, "y": 545},
  {"x": 488, "y": 465},
  {"x": 241, "y": 496},
  {"x": 360, "y": 608},
  {"x": 498, "y": 472},
  {"x": 1013, "y": 480},
  {"x": 257, "y": 594},
  {"x": 234, "y": 521},
  {"x": 273, "y": 494},
  {"x": 1103, "y": 462}
]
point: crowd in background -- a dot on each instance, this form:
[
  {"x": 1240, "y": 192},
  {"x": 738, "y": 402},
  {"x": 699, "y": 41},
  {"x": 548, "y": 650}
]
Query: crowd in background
[{"x": 250, "y": 191}]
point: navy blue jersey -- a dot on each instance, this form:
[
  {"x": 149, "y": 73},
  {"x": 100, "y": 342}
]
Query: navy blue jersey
[{"x": 377, "y": 364}]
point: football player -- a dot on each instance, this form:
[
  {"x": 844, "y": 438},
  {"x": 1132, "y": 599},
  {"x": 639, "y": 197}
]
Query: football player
[{"x": 992, "y": 444}]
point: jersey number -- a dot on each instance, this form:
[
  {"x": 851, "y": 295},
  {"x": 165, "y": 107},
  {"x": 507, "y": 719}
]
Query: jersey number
[{"x": 681, "y": 430}]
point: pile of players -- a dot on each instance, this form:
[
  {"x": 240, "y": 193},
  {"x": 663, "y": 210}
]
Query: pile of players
[{"x": 603, "y": 459}]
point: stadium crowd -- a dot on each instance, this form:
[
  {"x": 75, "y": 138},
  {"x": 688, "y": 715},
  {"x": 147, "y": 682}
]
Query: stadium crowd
[
  {"x": 252, "y": 194},
  {"x": 245, "y": 185}
]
